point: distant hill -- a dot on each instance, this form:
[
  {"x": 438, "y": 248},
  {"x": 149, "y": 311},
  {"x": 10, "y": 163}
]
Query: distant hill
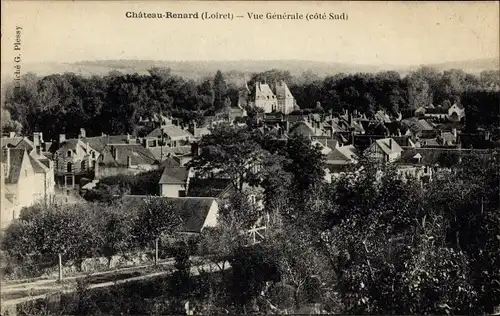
[{"x": 199, "y": 69}]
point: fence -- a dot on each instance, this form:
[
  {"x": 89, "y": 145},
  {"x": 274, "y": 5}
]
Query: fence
[{"x": 35, "y": 267}]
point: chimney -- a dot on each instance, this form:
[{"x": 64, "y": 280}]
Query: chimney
[
  {"x": 129, "y": 162},
  {"x": 454, "y": 132},
  {"x": 62, "y": 138},
  {"x": 487, "y": 135},
  {"x": 398, "y": 132},
  {"x": 12, "y": 134},
  {"x": 128, "y": 138},
  {"x": 36, "y": 139}
]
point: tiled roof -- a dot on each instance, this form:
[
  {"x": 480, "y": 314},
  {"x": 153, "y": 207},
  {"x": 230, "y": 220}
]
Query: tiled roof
[
  {"x": 384, "y": 145},
  {"x": 73, "y": 144},
  {"x": 193, "y": 211},
  {"x": 170, "y": 151},
  {"x": 10, "y": 141},
  {"x": 137, "y": 153},
  {"x": 27, "y": 144},
  {"x": 282, "y": 90},
  {"x": 174, "y": 175},
  {"x": 327, "y": 141},
  {"x": 263, "y": 91},
  {"x": 99, "y": 142},
  {"x": 170, "y": 162},
  {"x": 171, "y": 131},
  {"x": 207, "y": 187},
  {"x": 343, "y": 154},
  {"x": 425, "y": 125},
  {"x": 17, "y": 155},
  {"x": 38, "y": 166},
  {"x": 302, "y": 128},
  {"x": 432, "y": 156}
]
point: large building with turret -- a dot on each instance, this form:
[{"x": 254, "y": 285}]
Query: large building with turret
[{"x": 280, "y": 100}]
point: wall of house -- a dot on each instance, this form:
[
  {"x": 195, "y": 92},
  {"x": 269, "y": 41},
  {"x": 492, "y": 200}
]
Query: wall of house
[
  {"x": 171, "y": 190},
  {"x": 375, "y": 153},
  {"x": 394, "y": 156},
  {"x": 266, "y": 105},
  {"x": 62, "y": 163},
  {"x": 212, "y": 216},
  {"x": 105, "y": 171},
  {"x": 27, "y": 189}
]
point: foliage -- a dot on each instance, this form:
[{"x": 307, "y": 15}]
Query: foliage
[
  {"x": 306, "y": 163},
  {"x": 230, "y": 151},
  {"x": 156, "y": 218},
  {"x": 111, "y": 188}
]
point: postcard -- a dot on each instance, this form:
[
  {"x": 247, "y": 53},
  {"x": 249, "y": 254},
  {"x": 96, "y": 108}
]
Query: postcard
[{"x": 250, "y": 157}]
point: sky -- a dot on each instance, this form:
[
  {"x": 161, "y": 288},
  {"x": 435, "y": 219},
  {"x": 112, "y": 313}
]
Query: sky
[{"x": 376, "y": 33}]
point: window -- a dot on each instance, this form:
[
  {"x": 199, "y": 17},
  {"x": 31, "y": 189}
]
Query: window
[
  {"x": 69, "y": 167},
  {"x": 182, "y": 193},
  {"x": 93, "y": 154},
  {"x": 84, "y": 165},
  {"x": 68, "y": 153},
  {"x": 93, "y": 164}
]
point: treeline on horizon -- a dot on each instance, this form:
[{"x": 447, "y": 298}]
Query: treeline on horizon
[{"x": 112, "y": 104}]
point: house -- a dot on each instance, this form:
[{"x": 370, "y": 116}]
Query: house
[
  {"x": 25, "y": 181},
  {"x": 282, "y": 101},
  {"x": 419, "y": 127},
  {"x": 286, "y": 101},
  {"x": 442, "y": 139},
  {"x": 264, "y": 98},
  {"x": 437, "y": 112},
  {"x": 385, "y": 149},
  {"x": 183, "y": 154},
  {"x": 196, "y": 213},
  {"x": 169, "y": 135},
  {"x": 174, "y": 182},
  {"x": 456, "y": 112},
  {"x": 382, "y": 117},
  {"x": 74, "y": 159},
  {"x": 306, "y": 129},
  {"x": 124, "y": 159}
]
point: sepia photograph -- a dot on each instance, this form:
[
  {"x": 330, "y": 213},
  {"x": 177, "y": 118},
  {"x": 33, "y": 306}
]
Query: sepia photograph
[{"x": 250, "y": 158}]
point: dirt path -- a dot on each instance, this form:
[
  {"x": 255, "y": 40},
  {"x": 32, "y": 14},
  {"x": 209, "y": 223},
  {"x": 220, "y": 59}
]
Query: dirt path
[{"x": 53, "y": 287}]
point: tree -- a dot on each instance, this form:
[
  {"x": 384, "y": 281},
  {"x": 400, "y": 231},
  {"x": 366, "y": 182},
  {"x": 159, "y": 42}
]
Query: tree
[
  {"x": 116, "y": 232},
  {"x": 220, "y": 91},
  {"x": 229, "y": 152},
  {"x": 8, "y": 124},
  {"x": 306, "y": 163},
  {"x": 156, "y": 217}
]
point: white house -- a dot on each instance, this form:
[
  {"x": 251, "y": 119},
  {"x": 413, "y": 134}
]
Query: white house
[
  {"x": 456, "y": 112},
  {"x": 196, "y": 213},
  {"x": 385, "y": 149},
  {"x": 174, "y": 181}
]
